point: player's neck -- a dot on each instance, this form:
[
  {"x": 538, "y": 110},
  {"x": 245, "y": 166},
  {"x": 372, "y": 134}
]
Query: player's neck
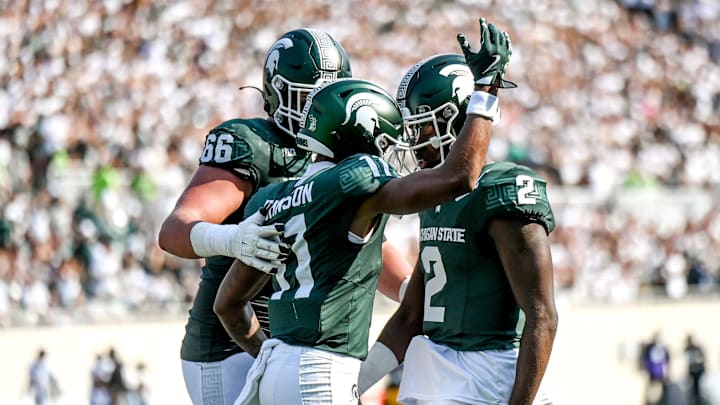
[{"x": 321, "y": 158}]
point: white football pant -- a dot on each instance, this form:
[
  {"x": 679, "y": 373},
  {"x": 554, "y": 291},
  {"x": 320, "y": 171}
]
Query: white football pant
[
  {"x": 437, "y": 374},
  {"x": 218, "y": 382},
  {"x": 308, "y": 376}
]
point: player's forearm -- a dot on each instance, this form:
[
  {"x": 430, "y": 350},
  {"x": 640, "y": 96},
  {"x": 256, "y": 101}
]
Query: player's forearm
[
  {"x": 243, "y": 327},
  {"x": 174, "y": 236},
  {"x": 389, "y": 349},
  {"x": 232, "y": 305},
  {"x": 467, "y": 156},
  {"x": 457, "y": 175},
  {"x": 395, "y": 272},
  {"x": 535, "y": 348},
  {"x": 399, "y": 330}
]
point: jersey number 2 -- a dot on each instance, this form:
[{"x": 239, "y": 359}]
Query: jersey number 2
[
  {"x": 432, "y": 264},
  {"x": 528, "y": 187}
]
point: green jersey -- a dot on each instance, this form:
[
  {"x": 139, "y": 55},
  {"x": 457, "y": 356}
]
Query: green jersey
[
  {"x": 255, "y": 150},
  {"x": 323, "y": 293},
  {"x": 468, "y": 301}
]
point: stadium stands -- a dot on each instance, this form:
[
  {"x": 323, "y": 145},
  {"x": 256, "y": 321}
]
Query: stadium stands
[{"x": 104, "y": 106}]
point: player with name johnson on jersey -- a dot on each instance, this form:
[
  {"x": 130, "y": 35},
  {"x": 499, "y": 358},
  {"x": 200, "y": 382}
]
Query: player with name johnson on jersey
[
  {"x": 484, "y": 256},
  {"x": 333, "y": 218},
  {"x": 241, "y": 155}
]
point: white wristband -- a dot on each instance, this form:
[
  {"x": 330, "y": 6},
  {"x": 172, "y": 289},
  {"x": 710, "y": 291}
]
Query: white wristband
[
  {"x": 403, "y": 288},
  {"x": 484, "y": 104},
  {"x": 380, "y": 361},
  {"x": 212, "y": 240}
]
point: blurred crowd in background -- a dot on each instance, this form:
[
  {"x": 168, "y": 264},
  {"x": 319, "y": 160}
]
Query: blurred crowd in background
[
  {"x": 104, "y": 106},
  {"x": 111, "y": 382}
]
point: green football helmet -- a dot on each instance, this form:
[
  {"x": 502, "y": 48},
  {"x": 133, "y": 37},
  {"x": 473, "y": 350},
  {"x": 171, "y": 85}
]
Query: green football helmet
[
  {"x": 434, "y": 92},
  {"x": 349, "y": 116},
  {"x": 298, "y": 62}
]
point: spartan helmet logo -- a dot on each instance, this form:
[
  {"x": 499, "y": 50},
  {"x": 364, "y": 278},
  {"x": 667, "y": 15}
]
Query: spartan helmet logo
[
  {"x": 463, "y": 84},
  {"x": 367, "y": 118},
  {"x": 272, "y": 60},
  {"x": 365, "y": 114}
]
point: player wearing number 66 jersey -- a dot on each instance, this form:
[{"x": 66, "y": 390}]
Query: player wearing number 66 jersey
[
  {"x": 240, "y": 156},
  {"x": 484, "y": 257}
]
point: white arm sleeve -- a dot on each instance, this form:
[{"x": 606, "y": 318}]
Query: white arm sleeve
[
  {"x": 380, "y": 361},
  {"x": 212, "y": 240},
  {"x": 485, "y": 105}
]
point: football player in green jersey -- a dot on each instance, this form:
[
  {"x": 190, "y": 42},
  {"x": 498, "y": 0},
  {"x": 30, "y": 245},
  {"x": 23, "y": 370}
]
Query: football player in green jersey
[
  {"x": 241, "y": 155},
  {"x": 333, "y": 219},
  {"x": 484, "y": 257}
]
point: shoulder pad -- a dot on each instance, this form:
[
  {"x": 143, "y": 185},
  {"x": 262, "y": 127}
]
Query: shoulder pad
[
  {"x": 513, "y": 191},
  {"x": 364, "y": 174}
]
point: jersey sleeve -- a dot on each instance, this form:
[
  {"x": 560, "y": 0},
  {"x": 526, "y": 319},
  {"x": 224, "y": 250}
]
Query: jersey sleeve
[
  {"x": 233, "y": 146},
  {"x": 515, "y": 192},
  {"x": 363, "y": 174},
  {"x": 258, "y": 199}
]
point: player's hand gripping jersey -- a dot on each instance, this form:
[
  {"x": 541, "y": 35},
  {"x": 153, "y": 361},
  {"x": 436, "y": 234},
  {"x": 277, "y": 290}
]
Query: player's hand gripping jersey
[
  {"x": 330, "y": 273},
  {"x": 463, "y": 273},
  {"x": 258, "y": 151}
]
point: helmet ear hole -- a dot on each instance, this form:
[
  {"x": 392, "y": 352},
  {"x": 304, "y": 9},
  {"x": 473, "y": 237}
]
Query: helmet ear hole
[
  {"x": 382, "y": 144},
  {"x": 340, "y": 149}
]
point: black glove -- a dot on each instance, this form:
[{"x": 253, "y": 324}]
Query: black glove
[{"x": 490, "y": 61}]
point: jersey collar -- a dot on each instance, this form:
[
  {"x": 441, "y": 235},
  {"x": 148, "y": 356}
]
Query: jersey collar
[{"x": 314, "y": 168}]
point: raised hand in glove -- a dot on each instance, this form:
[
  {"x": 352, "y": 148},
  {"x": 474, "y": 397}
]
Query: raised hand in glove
[{"x": 488, "y": 63}]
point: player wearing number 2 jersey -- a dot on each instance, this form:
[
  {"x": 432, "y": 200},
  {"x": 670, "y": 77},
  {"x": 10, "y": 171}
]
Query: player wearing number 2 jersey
[
  {"x": 484, "y": 257},
  {"x": 321, "y": 307}
]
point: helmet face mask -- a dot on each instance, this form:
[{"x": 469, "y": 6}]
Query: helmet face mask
[
  {"x": 291, "y": 99},
  {"x": 440, "y": 137},
  {"x": 433, "y": 96},
  {"x": 399, "y": 155},
  {"x": 349, "y": 116},
  {"x": 297, "y": 63}
]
